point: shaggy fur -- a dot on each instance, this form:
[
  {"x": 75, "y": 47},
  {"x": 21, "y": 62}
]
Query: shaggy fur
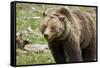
[{"x": 71, "y": 35}]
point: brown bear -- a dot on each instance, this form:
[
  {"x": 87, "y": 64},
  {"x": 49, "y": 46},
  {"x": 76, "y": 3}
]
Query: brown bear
[{"x": 71, "y": 35}]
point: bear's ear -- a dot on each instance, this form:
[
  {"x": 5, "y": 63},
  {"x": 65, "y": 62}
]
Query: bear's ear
[
  {"x": 61, "y": 18},
  {"x": 63, "y": 11},
  {"x": 44, "y": 14},
  {"x": 66, "y": 12}
]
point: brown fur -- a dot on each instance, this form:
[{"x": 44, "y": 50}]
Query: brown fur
[{"x": 71, "y": 35}]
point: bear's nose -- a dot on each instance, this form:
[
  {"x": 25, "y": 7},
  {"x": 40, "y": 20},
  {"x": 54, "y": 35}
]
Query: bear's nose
[{"x": 46, "y": 35}]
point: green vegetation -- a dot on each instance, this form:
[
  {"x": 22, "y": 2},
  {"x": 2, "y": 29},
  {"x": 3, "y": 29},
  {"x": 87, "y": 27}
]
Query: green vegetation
[
  {"x": 34, "y": 58},
  {"x": 28, "y": 15}
]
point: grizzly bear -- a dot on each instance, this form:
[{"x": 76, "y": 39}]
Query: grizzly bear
[{"x": 71, "y": 35}]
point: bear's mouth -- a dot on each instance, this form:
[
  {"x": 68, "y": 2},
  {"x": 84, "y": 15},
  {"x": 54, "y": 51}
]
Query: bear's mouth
[{"x": 50, "y": 38}]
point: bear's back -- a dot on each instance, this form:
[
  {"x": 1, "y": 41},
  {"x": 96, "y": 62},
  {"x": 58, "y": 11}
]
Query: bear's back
[{"x": 87, "y": 28}]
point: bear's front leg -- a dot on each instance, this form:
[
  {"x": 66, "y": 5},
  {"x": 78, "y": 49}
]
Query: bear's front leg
[
  {"x": 73, "y": 50},
  {"x": 57, "y": 52}
]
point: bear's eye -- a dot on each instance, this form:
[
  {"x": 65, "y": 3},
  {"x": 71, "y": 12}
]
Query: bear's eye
[
  {"x": 52, "y": 28},
  {"x": 44, "y": 26}
]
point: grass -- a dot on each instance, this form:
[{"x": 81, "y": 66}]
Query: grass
[
  {"x": 24, "y": 20},
  {"x": 34, "y": 58}
]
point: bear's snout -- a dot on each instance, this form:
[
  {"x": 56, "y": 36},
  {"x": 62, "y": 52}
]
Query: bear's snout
[{"x": 46, "y": 35}]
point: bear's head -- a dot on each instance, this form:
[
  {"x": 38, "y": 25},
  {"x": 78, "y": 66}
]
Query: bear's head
[{"x": 53, "y": 24}]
